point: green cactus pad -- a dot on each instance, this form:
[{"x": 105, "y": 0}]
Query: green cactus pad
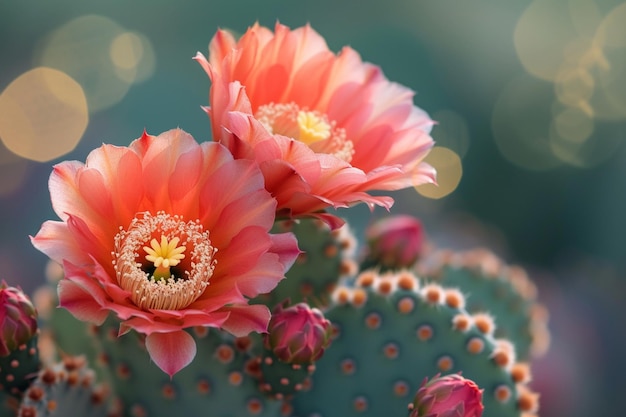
[
  {"x": 281, "y": 379},
  {"x": 18, "y": 368},
  {"x": 219, "y": 379},
  {"x": 390, "y": 335},
  {"x": 327, "y": 255},
  {"x": 66, "y": 389},
  {"x": 61, "y": 333},
  {"x": 504, "y": 292}
]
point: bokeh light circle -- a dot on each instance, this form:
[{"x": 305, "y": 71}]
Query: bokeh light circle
[
  {"x": 573, "y": 124},
  {"x": 609, "y": 68},
  {"x": 126, "y": 50},
  {"x": 611, "y": 32},
  {"x": 574, "y": 87},
  {"x": 43, "y": 114},
  {"x": 81, "y": 48},
  {"x": 585, "y": 16},
  {"x": 449, "y": 172},
  {"x": 541, "y": 34},
  {"x": 133, "y": 56},
  {"x": 576, "y": 139}
]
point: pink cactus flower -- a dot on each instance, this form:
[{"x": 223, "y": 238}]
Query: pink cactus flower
[
  {"x": 166, "y": 234},
  {"x": 325, "y": 128},
  {"x": 298, "y": 334},
  {"x": 448, "y": 396},
  {"x": 18, "y": 319},
  {"x": 396, "y": 241}
]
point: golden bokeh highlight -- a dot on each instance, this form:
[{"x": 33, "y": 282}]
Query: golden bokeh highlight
[
  {"x": 133, "y": 56},
  {"x": 126, "y": 50},
  {"x": 81, "y": 48},
  {"x": 451, "y": 131},
  {"x": 585, "y": 58},
  {"x": 573, "y": 139},
  {"x": 574, "y": 86},
  {"x": 609, "y": 68},
  {"x": 569, "y": 131},
  {"x": 449, "y": 172},
  {"x": 541, "y": 35},
  {"x": 574, "y": 125},
  {"x": 585, "y": 16},
  {"x": 43, "y": 114},
  {"x": 611, "y": 31}
]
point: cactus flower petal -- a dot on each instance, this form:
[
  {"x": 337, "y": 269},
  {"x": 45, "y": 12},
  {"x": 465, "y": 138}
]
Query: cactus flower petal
[
  {"x": 165, "y": 234},
  {"x": 171, "y": 351},
  {"x": 250, "y": 318},
  {"x": 79, "y": 302},
  {"x": 339, "y": 128}
]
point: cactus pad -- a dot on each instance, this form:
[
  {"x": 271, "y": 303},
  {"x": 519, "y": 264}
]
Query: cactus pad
[
  {"x": 497, "y": 290},
  {"x": 390, "y": 334}
]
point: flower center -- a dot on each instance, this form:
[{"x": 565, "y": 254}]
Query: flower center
[
  {"x": 163, "y": 255},
  {"x": 166, "y": 279},
  {"x": 310, "y": 127},
  {"x": 313, "y": 128}
]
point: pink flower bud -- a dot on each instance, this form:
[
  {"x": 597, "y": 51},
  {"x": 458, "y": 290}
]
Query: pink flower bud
[
  {"x": 298, "y": 334},
  {"x": 450, "y": 395},
  {"x": 396, "y": 241},
  {"x": 18, "y": 319}
]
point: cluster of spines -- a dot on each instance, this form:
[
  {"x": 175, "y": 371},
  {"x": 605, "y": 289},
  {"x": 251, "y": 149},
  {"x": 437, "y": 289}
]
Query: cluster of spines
[
  {"x": 495, "y": 288},
  {"x": 60, "y": 332},
  {"x": 223, "y": 377},
  {"x": 400, "y": 294},
  {"x": 281, "y": 380},
  {"x": 66, "y": 389},
  {"x": 335, "y": 251},
  {"x": 17, "y": 370}
]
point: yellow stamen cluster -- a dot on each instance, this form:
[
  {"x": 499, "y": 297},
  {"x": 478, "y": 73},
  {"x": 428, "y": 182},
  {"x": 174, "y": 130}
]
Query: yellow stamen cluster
[
  {"x": 161, "y": 289},
  {"x": 310, "y": 127},
  {"x": 164, "y": 255}
]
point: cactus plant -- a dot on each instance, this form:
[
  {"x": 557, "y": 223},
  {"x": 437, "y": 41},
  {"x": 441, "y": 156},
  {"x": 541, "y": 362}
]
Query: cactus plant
[
  {"x": 297, "y": 337},
  {"x": 498, "y": 292},
  {"x": 223, "y": 379},
  {"x": 392, "y": 330},
  {"x": 218, "y": 282},
  {"x": 327, "y": 256},
  {"x": 66, "y": 389}
]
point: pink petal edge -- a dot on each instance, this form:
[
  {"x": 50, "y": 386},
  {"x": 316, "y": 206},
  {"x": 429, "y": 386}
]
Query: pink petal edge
[{"x": 171, "y": 351}]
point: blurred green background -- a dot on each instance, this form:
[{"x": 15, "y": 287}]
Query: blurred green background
[{"x": 530, "y": 97}]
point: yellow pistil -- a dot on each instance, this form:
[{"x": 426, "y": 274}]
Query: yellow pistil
[
  {"x": 164, "y": 255},
  {"x": 163, "y": 289},
  {"x": 313, "y": 127}
]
